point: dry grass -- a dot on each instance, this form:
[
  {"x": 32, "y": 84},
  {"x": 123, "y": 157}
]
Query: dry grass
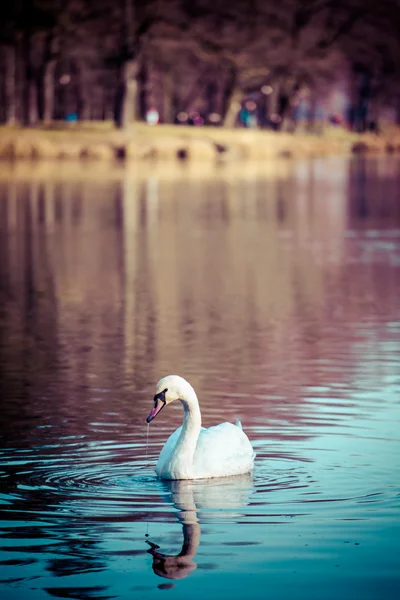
[{"x": 100, "y": 141}]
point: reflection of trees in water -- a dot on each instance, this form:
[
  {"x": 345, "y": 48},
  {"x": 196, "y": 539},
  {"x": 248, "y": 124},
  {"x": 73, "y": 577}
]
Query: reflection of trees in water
[
  {"x": 67, "y": 547},
  {"x": 76, "y": 557},
  {"x": 28, "y": 321},
  {"x": 240, "y": 285},
  {"x": 52, "y": 248},
  {"x": 108, "y": 285},
  {"x": 374, "y": 188}
]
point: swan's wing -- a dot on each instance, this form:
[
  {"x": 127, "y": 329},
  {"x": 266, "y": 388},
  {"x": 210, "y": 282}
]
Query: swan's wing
[
  {"x": 167, "y": 450},
  {"x": 223, "y": 450}
]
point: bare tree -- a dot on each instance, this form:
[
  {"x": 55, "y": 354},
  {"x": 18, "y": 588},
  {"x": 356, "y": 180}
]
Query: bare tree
[{"x": 116, "y": 57}]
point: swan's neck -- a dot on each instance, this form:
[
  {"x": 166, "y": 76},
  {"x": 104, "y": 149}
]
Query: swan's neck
[
  {"x": 191, "y": 539},
  {"x": 186, "y": 444}
]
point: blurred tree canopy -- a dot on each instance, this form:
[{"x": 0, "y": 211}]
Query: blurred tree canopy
[{"x": 116, "y": 59}]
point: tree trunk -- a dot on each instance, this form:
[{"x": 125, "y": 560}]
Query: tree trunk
[
  {"x": 272, "y": 105},
  {"x": 145, "y": 95},
  {"x": 108, "y": 107},
  {"x": 218, "y": 102},
  {"x": 194, "y": 92},
  {"x": 10, "y": 86},
  {"x": 233, "y": 107},
  {"x": 32, "y": 108},
  {"x": 312, "y": 113},
  {"x": 168, "y": 91},
  {"x": 48, "y": 92},
  {"x": 85, "y": 108},
  {"x": 30, "y": 88},
  {"x": 374, "y": 114},
  {"x": 84, "y": 100},
  {"x": 129, "y": 103},
  {"x": 127, "y": 97},
  {"x": 285, "y": 106}
]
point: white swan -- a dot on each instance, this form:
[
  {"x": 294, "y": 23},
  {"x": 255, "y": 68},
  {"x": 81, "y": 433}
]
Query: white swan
[{"x": 193, "y": 452}]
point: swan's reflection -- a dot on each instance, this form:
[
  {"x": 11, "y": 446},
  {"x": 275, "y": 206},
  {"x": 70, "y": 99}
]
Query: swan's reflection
[{"x": 189, "y": 497}]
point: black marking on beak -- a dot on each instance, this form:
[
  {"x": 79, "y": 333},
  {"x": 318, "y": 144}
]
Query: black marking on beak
[{"x": 160, "y": 397}]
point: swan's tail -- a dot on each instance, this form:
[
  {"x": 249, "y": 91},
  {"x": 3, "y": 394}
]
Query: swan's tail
[{"x": 238, "y": 424}]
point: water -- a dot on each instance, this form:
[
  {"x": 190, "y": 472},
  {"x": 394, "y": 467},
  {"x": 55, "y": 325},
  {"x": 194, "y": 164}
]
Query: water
[{"x": 274, "y": 290}]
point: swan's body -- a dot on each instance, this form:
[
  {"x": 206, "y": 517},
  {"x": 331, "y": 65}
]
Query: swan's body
[{"x": 193, "y": 452}]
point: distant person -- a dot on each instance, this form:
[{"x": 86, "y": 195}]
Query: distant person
[
  {"x": 373, "y": 126},
  {"x": 72, "y": 118},
  {"x": 244, "y": 116},
  {"x": 335, "y": 119},
  {"x": 152, "y": 116}
]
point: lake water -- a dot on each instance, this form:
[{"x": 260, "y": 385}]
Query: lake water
[{"x": 276, "y": 292}]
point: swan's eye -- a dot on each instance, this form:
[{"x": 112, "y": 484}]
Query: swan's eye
[{"x": 160, "y": 396}]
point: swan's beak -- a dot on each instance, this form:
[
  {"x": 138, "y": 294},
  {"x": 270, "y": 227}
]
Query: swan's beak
[{"x": 159, "y": 403}]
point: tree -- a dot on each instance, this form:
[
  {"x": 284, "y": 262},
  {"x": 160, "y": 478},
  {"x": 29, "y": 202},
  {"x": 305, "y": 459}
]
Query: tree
[{"x": 113, "y": 58}]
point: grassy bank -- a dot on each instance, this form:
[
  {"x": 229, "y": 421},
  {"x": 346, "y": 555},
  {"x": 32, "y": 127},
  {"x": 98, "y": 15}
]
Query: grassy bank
[{"x": 100, "y": 141}]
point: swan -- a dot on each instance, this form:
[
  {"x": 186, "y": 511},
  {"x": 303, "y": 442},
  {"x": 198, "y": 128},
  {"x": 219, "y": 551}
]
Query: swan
[{"x": 193, "y": 452}]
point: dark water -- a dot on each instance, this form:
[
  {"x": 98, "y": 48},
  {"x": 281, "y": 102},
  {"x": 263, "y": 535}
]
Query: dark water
[{"x": 277, "y": 294}]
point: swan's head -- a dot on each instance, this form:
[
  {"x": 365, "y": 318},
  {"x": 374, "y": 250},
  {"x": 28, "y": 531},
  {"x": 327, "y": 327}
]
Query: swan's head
[{"x": 168, "y": 389}]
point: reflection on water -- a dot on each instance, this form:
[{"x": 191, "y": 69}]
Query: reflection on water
[
  {"x": 188, "y": 497},
  {"x": 275, "y": 292}
]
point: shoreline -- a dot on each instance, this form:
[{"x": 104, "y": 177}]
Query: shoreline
[{"x": 101, "y": 142}]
